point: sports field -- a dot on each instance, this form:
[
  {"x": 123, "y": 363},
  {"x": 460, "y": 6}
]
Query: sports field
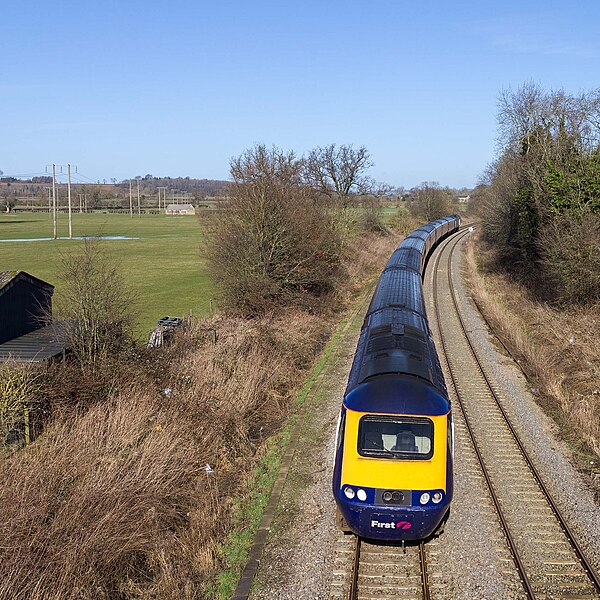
[{"x": 163, "y": 266}]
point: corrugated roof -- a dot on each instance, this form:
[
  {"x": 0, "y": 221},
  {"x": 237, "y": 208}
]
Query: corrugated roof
[
  {"x": 36, "y": 346},
  {"x": 6, "y": 276}
]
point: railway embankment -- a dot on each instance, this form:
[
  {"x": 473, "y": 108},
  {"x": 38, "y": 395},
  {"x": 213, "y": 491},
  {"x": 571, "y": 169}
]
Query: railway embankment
[{"x": 132, "y": 493}]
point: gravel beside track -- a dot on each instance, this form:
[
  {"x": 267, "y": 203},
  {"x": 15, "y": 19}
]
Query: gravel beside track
[{"x": 305, "y": 556}]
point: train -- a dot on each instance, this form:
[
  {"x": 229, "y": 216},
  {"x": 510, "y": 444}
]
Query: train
[{"x": 394, "y": 446}]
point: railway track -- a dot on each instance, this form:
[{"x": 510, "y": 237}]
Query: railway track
[
  {"x": 546, "y": 555},
  {"x": 383, "y": 571}
]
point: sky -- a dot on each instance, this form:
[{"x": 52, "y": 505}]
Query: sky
[{"x": 126, "y": 88}]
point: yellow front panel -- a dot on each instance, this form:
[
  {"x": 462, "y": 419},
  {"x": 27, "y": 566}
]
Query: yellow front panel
[{"x": 394, "y": 473}]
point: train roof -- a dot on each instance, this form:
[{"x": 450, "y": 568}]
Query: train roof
[
  {"x": 399, "y": 288},
  {"x": 397, "y": 394},
  {"x": 396, "y": 341},
  {"x": 408, "y": 258},
  {"x": 413, "y": 242}
]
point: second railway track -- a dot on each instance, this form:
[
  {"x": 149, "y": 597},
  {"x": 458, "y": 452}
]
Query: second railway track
[{"x": 549, "y": 561}]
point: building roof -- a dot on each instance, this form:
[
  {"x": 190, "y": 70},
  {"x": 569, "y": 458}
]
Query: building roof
[
  {"x": 180, "y": 207},
  {"x": 36, "y": 346},
  {"x": 9, "y": 278}
]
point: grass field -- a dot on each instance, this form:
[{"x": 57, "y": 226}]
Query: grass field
[{"x": 163, "y": 266}]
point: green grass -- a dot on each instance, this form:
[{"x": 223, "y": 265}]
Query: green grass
[{"x": 163, "y": 266}]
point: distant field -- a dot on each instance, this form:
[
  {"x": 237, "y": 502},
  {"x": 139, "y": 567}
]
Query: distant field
[{"x": 163, "y": 266}]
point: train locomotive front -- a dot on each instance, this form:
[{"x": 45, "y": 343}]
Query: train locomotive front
[{"x": 394, "y": 446}]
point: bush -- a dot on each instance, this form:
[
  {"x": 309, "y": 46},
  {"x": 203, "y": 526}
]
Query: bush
[
  {"x": 275, "y": 242},
  {"x": 94, "y": 305},
  {"x": 17, "y": 400},
  {"x": 570, "y": 258},
  {"x": 114, "y": 502},
  {"x": 430, "y": 201}
]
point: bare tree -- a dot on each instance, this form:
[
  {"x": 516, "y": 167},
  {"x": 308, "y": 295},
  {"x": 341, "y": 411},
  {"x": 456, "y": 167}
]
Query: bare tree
[
  {"x": 94, "y": 306},
  {"x": 9, "y": 203},
  {"x": 552, "y": 123},
  {"x": 339, "y": 171},
  {"x": 274, "y": 242},
  {"x": 430, "y": 201}
]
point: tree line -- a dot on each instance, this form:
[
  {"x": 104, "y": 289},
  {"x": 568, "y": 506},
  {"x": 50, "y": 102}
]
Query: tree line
[{"x": 541, "y": 198}]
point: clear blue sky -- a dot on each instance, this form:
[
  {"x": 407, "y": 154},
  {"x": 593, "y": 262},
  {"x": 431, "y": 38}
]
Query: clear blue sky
[{"x": 125, "y": 88}]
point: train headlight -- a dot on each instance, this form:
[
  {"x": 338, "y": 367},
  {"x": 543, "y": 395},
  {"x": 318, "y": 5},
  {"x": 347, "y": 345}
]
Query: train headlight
[
  {"x": 361, "y": 495},
  {"x": 424, "y": 499},
  {"x": 387, "y": 496},
  {"x": 349, "y": 492},
  {"x": 437, "y": 497}
]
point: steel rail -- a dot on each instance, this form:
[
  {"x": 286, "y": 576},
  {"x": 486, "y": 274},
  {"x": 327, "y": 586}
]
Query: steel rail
[
  {"x": 559, "y": 517},
  {"x": 424, "y": 577},
  {"x": 509, "y": 538},
  {"x": 353, "y": 594}
]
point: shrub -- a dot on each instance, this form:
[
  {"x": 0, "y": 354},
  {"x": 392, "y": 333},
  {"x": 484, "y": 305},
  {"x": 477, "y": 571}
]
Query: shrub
[
  {"x": 17, "y": 400},
  {"x": 275, "y": 242},
  {"x": 94, "y": 305},
  {"x": 430, "y": 201},
  {"x": 570, "y": 257}
]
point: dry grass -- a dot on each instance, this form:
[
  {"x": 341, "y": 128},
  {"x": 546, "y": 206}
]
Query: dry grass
[
  {"x": 367, "y": 258},
  {"x": 86, "y": 507},
  {"x": 113, "y": 501},
  {"x": 560, "y": 349}
]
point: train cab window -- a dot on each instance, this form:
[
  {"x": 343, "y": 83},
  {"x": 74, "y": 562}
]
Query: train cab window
[{"x": 395, "y": 437}]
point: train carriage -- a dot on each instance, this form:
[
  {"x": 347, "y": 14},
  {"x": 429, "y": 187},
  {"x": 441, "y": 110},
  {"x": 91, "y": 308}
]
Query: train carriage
[{"x": 393, "y": 457}]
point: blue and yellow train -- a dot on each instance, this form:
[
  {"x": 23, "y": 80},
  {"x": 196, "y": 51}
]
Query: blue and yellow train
[{"x": 394, "y": 446}]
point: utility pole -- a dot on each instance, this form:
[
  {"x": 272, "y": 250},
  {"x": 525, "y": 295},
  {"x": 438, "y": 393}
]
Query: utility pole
[
  {"x": 69, "y": 196},
  {"x": 138, "y": 198},
  {"x": 54, "y": 199},
  {"x": 164, "y": 197},
  {"x": 80, "y": 203},
  {"x": 130, "y": 201},
  {"x": 49, "y": 201}
]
